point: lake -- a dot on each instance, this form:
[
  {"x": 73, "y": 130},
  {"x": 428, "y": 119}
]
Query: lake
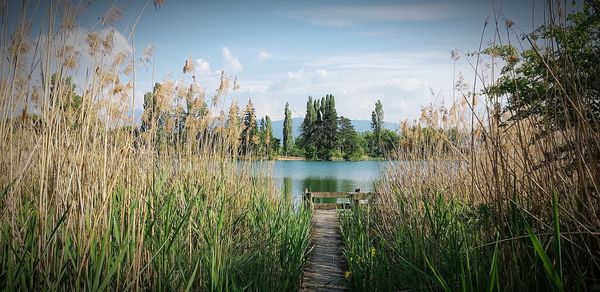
[{"x": 325, "y": 176}]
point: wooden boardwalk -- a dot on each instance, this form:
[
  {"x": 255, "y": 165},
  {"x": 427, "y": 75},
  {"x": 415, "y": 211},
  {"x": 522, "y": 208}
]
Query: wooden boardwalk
[{"x": 326, "y": 266}]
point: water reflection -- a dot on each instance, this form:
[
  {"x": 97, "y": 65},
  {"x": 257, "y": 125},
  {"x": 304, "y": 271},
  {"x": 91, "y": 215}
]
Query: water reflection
[
  {"x": 324, "y": 176},
  {"x": 287, "y": 189}
]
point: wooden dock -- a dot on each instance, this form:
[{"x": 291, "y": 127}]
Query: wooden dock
[{"x": 326, "y": 265}]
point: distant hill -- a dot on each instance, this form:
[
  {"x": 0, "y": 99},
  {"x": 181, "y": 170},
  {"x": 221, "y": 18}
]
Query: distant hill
[{"x": 359, "y": 125}]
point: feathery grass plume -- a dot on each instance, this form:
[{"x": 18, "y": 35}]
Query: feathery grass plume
[
  {"x": 112, "y": 15},
  {"x": 159, "y": 3},
  {"x": 236, "y": 84},
  {"x": 100, "y": 203},
  {"x": 69, "y": 14},
  {"x": 147, "y": 56},
  {"x": 93, "y": 40},
  {"x": 511, "y": 204},
  {"x": 224, "y": 86},
  {"x": 188, "y": 66},
  {"x": 108, "y": 41}
]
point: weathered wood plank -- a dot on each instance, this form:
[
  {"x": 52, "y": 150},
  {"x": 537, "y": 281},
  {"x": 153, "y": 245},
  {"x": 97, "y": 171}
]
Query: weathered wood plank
[
  {"x": 326, "y": 206},
  {"x": 350, "y": 195},
  {"x": 326, "y": 266},
  {"x": 324, "y": 195}
]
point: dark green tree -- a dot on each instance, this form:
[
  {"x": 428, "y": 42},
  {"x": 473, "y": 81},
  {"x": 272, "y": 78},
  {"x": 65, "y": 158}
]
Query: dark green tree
[
  {"x": 327, "y": 142},
  {"x": 377, "y": 126},
  {"x": 557, "y": 86},
  {"x": 287, "y": 129},
  {"x": 250, "y": 135},
  {"x": 149, "y": 116},
  {"x": 262, "y": 134},
  {"x": 349, "y": 140},
  {"x": 63, "y": 96},
  {"x": 319, "y": 129},
  {"x": 268, "y": 139},
  {"x": 307, "y": 131}
]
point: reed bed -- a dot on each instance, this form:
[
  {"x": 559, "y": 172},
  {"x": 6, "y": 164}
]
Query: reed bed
[
  {"x": 487, "y": 201},
  {"x": 90, "y": 201}
]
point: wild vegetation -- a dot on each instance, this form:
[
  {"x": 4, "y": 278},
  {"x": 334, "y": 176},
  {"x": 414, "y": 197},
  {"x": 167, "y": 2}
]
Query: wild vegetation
[
  {"x": 326, "y": 136},
  {"x": 497, "y": 192},
  {"x": 516, "y": 207},
  {"x": 90, "y": 202}
]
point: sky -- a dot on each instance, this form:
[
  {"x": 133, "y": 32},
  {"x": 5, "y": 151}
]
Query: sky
[{"x": 284, "y": 51}]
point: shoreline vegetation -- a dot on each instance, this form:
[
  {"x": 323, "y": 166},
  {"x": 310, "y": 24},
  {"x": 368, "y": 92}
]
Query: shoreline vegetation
[
  {"x": 301, "y": 158},
  {"x": 91, "y": 201},
  {"x": 522, "y": 213}
]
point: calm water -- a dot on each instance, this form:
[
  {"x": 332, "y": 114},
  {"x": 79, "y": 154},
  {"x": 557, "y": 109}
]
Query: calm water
[{"x": 325, "y": 176}]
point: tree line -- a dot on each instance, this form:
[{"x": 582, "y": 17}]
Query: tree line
[{"x": 325, "y": 135}]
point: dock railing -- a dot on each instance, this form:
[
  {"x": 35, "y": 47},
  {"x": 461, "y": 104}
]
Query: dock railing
[{"x": 313, "y": 199}]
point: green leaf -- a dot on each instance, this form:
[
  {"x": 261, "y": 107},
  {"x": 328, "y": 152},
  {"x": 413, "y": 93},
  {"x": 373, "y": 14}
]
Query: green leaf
[{"x": 537, "y": 245}]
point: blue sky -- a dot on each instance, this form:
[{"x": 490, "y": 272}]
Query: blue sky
[{"x": 284, "y": 51}]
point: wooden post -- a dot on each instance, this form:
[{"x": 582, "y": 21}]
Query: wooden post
[
  {"x": 355, "y": 201},
  {"x": 308, "y": 203}
]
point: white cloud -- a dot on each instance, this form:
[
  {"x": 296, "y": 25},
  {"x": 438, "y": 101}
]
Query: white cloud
[
  {"x": 291, "y": 82},
  {"x": 320, "y": 75},
  {"x": 203, "y": 67},
  {"x": 402, "y": 81},
  {"x": 263, "y": 56},
  {"x": 296, "y": 75},
  {"x": 232, "y": 63}
]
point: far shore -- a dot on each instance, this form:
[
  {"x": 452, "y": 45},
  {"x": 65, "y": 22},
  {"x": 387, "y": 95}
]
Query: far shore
[
  {"x": 296, "y": 158},
  {"x": 290, "y": 158}
]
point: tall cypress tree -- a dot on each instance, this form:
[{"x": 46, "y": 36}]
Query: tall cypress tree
[
  {"x": 307, "y": 124},
  {"x": 262, "y": 131},
  {"x": 287, "y": 129},
  {"x": 250, "y": 137},
  {"x": 319, "y": 129},
  {"x": 331, "y": 123},
  {"x": 377, "y": 126},
  {"x": 328, "y": 128},
  {"x": 268, "y": 135}
]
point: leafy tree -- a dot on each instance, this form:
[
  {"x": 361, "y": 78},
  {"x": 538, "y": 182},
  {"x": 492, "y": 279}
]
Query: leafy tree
[
  {"x": 149, "y": 114},
  {"x": 262, "y": 134},
  {"x": 287, "y": 129},
  {"x": 377, "y": 126},
  {"x": 267, "y": 139},
  {"x": 329, "y": 128},
  {"x": 307, "y": 125},
  {"x": 558, "y": 86},
  {"x": 63, "y": 96},
  {"x": 349, "y": 140},
  {"x": 389, "y": 141},
  {"x": 319, "y": 136},
  {"x": 233, "y": 128},
  {"x": 250, "y": 136},
  {"x": 155, "y": 118}
]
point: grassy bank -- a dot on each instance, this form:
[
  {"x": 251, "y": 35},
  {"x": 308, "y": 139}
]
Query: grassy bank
[
  {"x": 179, "y": 234},
  {"x": 89, "y": 202},
  {"x": 513, "y": 204}
]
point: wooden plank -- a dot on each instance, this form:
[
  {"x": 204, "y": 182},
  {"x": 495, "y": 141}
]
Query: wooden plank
[
  {"x": 323, "y": 195},
  {"x": 326, "y": 206},
  {"x": 352, "y": 195},
  {"x": 326, "y": 265}
]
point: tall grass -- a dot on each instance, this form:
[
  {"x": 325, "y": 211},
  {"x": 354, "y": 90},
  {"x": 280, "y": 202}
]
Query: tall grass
[
  {"x": 483, "y": 202},
  {"x": 88, "y": 202}
]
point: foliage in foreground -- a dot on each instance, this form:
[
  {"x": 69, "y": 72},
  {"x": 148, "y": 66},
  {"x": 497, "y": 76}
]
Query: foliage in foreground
[
  {"x": 516, "y": 210},
  {"x": 173, "y": 238},
  {"x": 89, "y": 202}
]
